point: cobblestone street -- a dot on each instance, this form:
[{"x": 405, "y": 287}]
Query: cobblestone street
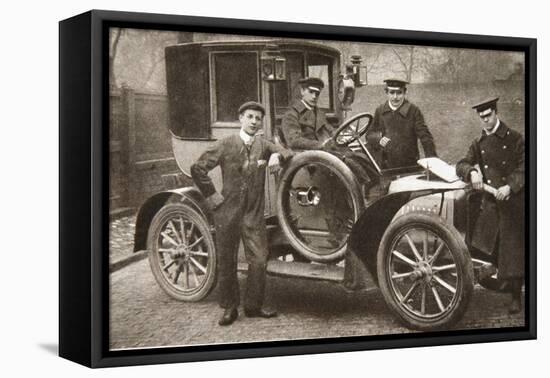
[
  {"x": 121, "y": 237},
  {"x": 142, "y": 315}
]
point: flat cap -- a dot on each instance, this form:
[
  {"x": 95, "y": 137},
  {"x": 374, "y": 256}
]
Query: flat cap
[
  {"x": 490, "y": 103},
  {"x": 396, "y": 83},
  {"x": 312, "y": 82},
  {"x": 252, "y": 105}
]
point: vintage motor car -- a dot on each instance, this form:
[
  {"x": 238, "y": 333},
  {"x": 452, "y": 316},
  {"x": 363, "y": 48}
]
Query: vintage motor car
[{"x": 409, "y": 227}]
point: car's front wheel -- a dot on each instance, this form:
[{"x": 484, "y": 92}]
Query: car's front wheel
[{"x": 425, "y": 272}]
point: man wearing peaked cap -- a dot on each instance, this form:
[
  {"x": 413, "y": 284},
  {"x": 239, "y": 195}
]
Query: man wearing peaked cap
[
  {"x": 312, "y": 83},
  {"x": 239, "y": 210},
  {"x": 490, "y": 103},
  {"x": 500, "y": 227},
  {"x": 305, "y": 127},
  {"x": 396, "y": 128},
  {"x": 396, "y": 84}
]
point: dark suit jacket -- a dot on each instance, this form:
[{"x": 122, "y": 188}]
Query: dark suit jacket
[
  {"x": 243, "y": 173},
  {"x": 404, "y": 127}
]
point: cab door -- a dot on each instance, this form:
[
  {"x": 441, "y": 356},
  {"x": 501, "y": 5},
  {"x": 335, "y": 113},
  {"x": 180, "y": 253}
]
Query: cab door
[{"x": 278, "y": 97}]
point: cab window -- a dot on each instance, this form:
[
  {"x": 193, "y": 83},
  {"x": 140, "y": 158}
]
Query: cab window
[
  {"x": 289, "y": 90},
  {"x": 236, "y": 81},
  {"x": 320, "y": 66}
]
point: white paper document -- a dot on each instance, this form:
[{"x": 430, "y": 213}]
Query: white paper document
[{"x": 439, "y": 168}]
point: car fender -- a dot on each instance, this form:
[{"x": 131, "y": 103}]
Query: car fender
[
  {"x": 189, "y": 195},
  {"x": 369, "y": 229}
]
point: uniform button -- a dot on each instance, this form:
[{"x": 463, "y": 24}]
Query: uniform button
[
  {"x": 503, "y": 178},
  {"x": 482, "y": 151},
  {"x": 503, "y": 163},
  {"x": 504, "y": 147},
  {"x": 507, "y": 133},
  {"x": 488, "y": 181},
  {"x": 486, "y": 166}
]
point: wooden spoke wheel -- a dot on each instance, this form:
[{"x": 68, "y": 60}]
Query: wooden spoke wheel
[
  {"x": 425, "y": 272},
  {"x": 182, "y": 252}
]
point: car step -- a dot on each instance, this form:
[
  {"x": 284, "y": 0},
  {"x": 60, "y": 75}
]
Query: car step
[{"x": 316, "y": 271}]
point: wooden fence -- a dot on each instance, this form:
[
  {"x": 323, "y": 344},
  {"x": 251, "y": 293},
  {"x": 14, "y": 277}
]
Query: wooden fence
[{"x": 140, "y": 147}]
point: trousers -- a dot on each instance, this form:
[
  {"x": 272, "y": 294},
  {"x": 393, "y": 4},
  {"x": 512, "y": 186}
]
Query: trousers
[{"x": 231, "y": 228}]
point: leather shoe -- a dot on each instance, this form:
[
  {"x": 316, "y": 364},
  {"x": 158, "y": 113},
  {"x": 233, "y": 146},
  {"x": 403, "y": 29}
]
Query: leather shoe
[
  {"x": 260, "y": 313},
  {"x": 352, "y": 287},
  {"x": 229, "y": 316},
  {"x": 486, "y": 271}
]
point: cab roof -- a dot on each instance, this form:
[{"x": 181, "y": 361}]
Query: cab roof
[{"x": 261, "y": 43}]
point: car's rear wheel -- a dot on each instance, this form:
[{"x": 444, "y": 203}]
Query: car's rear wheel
[
  {"x": 318, "y": 201},
  {"x": 425, "y": 272},
  {"x": 182, "y": 253}
]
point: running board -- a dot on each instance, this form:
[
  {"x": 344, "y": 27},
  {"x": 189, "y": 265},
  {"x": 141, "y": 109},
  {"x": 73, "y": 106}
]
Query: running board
[
  {"x": 314, "y": 271},
  {"x": 326, "y": 272}
]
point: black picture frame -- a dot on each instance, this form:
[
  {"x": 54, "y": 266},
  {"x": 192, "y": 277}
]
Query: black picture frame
[{"x": 84, "y": 187}]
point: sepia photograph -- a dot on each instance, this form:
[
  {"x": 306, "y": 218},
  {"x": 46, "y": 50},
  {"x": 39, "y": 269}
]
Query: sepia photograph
[{"x": 266, "y": 189}]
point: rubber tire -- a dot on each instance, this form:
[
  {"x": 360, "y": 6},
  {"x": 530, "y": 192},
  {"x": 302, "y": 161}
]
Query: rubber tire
[
  {"x": 166, "y": 212},
  {"x": 346, "y": 176},
  {"x": 460, "y": 254}
]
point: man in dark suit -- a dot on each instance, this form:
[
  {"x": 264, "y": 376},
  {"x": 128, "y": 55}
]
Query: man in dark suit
[
  {"x": 500, "y": 228},
  {"x": 239, "y": 210},
  {"x": 396, "y": 128}
]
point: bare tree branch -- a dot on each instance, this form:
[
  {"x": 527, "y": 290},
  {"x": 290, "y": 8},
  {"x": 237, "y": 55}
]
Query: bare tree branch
[
  {"x": 112, "y": 56},
  {"x": 371, "y": 66},
  {"x": 399, "y": 57},
  {"x": 411, "y": 64},
  {"x": 115, "y": 43},
  {"x": 152, "y": 71},
  {"x": 407, "y": 67}
]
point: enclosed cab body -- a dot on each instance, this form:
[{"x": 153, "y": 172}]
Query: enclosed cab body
[{"x": 208, "y": 81}]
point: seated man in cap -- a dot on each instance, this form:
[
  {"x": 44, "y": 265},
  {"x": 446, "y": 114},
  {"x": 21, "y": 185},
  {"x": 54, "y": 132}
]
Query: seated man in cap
[
  {"x": 500, "y": 227},
  {"x": 396, "y": 128},
  {"x": 305, "y": 127},
  {"x": 239, "y": 209}
]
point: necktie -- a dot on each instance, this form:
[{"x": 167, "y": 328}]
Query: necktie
[{"x": 247, "y": 156}]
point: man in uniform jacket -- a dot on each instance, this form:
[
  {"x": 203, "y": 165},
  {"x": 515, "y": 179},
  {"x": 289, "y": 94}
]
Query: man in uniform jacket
[
  {"x": 397, "y": 126},
  {"x": 500, "y": 228},
  {"x": 239, "y": 210},
  {"x": 305, "y": 127}
]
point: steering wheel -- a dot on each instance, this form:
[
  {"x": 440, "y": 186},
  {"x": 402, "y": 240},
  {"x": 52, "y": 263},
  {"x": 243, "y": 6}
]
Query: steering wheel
[{"x": 352, "y": 129}]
